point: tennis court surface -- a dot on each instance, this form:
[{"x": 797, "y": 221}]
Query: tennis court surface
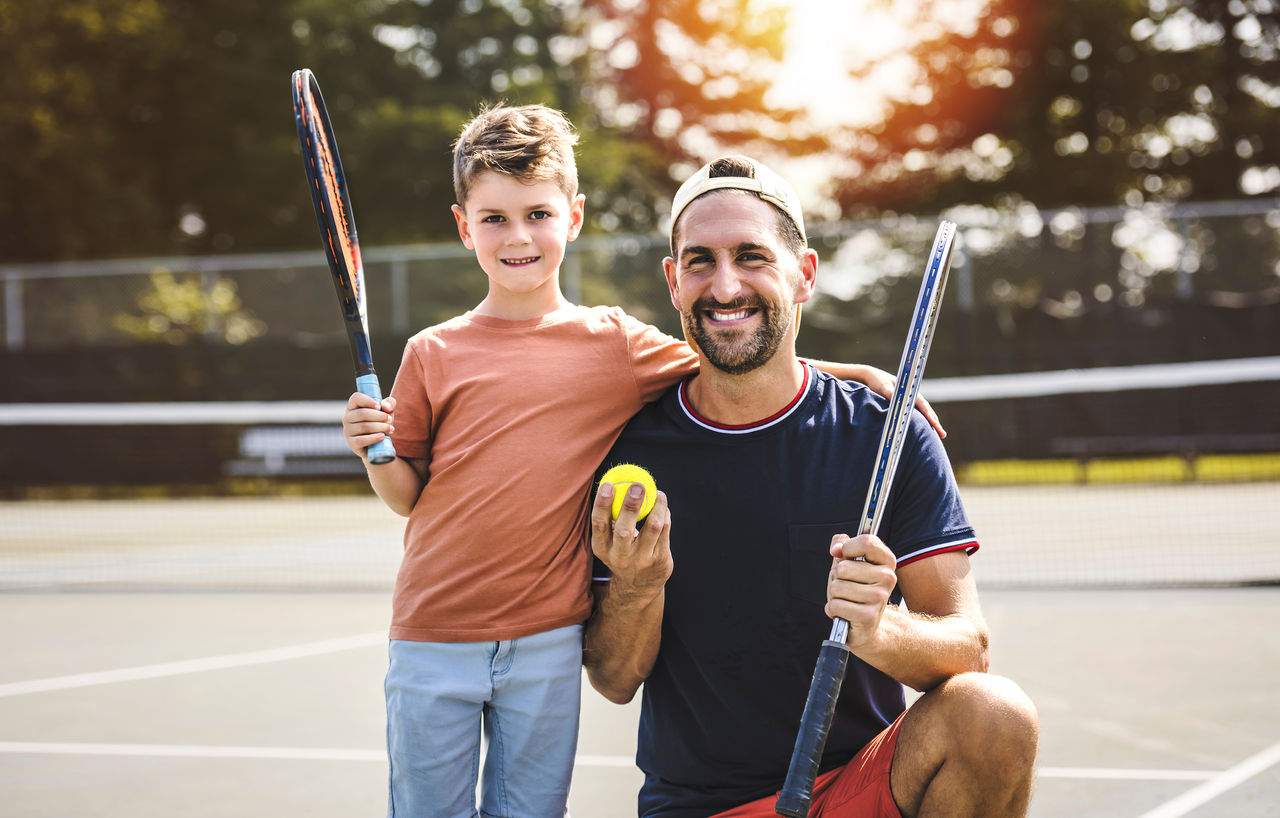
[{"x": 191, "y": 657}]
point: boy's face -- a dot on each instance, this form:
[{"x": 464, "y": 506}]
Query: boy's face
[{"x": 519, "y": 231}]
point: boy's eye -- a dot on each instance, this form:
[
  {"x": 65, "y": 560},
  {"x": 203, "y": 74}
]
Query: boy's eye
[
  {"x": 493, "y": 219},
  {"x": 539, "y": 215}
]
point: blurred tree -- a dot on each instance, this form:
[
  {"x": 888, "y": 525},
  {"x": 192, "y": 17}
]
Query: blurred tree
[
  {"x": 138, "y": 126},
  {"x": 141, "y": 127},
  {"x": 1087, "y": 102}
]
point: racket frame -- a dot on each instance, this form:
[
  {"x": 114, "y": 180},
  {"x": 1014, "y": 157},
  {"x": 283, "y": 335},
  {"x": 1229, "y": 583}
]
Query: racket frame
[
  {"x": 833, "y": 658},
  {"x": 336, "y": 220}
]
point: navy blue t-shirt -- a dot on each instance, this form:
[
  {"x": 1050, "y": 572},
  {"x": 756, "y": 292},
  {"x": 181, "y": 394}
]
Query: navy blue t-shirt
[{"x": 753, "y": 513}]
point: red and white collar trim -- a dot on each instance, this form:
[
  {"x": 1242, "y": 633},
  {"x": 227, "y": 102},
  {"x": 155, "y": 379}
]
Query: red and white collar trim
[{"x": 772, "y": 420}]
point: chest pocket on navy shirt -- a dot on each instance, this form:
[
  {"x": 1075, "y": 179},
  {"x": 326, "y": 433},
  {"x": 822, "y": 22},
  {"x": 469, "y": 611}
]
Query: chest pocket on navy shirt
[{"x": 809, "y": 558}]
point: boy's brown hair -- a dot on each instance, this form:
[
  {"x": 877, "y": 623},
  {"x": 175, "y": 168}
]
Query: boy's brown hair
[{"x": 532, "y": 143}]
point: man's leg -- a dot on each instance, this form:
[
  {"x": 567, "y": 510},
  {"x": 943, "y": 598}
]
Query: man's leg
[{"x": 966, "y": 748}]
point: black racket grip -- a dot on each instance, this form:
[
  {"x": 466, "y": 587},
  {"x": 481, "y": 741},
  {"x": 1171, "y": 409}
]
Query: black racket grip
[{"x": 815, "y": 724}]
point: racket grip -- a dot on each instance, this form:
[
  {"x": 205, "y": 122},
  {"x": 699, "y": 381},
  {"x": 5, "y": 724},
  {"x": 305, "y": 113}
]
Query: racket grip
[
  {"x": 797, "y": 791},
  {"x": 382, "y": 451}
]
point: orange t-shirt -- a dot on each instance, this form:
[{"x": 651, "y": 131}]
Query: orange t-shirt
[{"x": 515, "y": 417}]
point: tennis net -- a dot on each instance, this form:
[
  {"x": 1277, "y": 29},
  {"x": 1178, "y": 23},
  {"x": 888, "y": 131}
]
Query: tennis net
[{"x": 1125, "y": 476}]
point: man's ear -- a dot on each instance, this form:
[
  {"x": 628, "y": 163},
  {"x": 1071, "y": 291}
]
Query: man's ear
[
  {"x": 673, "y": 286},
  {"x": 808, "y": 279},
  {"x": 464, "y": 228}
]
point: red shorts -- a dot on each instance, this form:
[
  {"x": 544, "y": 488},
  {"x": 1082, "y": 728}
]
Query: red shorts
[{"x": 859, "y": 789}]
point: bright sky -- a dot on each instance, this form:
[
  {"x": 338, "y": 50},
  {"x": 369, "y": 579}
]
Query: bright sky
[{"x": 824, "y": 40}]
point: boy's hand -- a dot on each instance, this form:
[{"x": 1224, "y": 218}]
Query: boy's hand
[
  {"x": 883, "y": 384},
  {"x": 365, "y": 421}
]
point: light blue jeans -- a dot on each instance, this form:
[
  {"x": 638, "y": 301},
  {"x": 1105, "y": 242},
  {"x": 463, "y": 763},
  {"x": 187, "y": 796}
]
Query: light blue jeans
[{"x": 523, "y": 693}]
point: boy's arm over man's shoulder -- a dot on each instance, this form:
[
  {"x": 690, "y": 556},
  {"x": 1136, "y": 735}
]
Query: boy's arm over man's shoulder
[{"x": 880, "y": 382}]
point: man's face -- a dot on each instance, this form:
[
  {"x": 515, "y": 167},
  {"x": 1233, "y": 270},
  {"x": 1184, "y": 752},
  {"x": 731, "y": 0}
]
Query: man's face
[{"x": 734, "y": 282}]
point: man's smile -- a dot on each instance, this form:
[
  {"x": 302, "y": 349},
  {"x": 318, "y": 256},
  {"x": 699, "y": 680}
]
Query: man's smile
[{"x": 729, "y": 315}]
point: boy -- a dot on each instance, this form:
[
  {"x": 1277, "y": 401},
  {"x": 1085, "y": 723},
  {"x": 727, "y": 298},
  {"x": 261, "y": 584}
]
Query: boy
[{"x": 501, "y": 416}]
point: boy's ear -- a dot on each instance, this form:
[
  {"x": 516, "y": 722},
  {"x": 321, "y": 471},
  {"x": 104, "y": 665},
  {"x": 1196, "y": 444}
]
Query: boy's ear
[
  {"x": 577, "y": 215},
  {"x": 464, "y": 228}
]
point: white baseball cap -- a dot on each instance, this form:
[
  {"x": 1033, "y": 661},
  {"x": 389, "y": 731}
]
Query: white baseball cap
[{"x": 763, "y": 182}]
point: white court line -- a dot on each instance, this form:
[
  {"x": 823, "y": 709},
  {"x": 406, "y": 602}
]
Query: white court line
[
  {"x": 340, "y": 754},
  {"x": 278, "y": 753},
  {"x": 1122, "y": 774},
  {"x": 257, "y": 657},
  {"x": 192, "y": 751},
  {"x": 1211, "y": 789}
]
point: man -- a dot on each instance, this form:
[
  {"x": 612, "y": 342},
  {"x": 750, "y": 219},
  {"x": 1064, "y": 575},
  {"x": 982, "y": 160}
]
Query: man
[{"x": 768, "y": 461}]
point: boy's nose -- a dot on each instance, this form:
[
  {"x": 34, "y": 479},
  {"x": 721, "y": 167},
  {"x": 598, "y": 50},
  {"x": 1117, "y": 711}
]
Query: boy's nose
[{"x": 518, "y": 234}]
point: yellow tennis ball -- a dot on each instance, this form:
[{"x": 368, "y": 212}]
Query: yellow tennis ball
[{"x": 622, "y": 476}]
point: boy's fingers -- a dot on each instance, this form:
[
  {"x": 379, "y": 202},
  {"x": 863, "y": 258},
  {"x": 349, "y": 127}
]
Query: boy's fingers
[{"x": 930, "y": 415}]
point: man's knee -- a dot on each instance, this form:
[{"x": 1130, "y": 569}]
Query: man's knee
[
  {"x": 990, "y": 714},
  {"x": 969, "y": 744}
]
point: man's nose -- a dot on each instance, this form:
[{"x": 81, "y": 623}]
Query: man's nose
[{"x": 726, "y": 284}]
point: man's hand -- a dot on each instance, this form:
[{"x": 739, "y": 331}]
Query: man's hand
[
  {"x": 365, "y": 421},
  {"x": 862, "y": 578},
  {"x": 638, "y": 560}
]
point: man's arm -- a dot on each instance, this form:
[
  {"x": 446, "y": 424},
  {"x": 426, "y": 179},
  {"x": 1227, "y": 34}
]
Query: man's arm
[
  {"x": 942, "y": 633},
  {"x": 622, "y": 636},
  {"x": 880, "y": 382}
]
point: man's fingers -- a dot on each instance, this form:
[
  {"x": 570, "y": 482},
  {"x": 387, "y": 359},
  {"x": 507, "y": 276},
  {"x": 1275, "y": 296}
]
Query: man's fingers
[
  {"x": 657, "y": 525},
  {"x": 602, "y": 520},
  {"x": 866, "y": 547}
]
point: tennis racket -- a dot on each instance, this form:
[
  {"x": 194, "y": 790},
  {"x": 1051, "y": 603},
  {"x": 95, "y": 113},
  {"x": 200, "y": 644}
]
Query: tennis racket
[
  {"x": 338, "y": 230},
  {"x": 833, "y": 658}
]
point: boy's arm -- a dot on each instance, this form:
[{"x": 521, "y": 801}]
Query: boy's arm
[
  {"x": 398, "y": 483},
  {"x": 880, "y": 382}
]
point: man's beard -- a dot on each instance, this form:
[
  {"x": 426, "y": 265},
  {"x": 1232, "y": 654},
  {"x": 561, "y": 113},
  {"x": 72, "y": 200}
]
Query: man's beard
[{"x": 736, "y": 352}]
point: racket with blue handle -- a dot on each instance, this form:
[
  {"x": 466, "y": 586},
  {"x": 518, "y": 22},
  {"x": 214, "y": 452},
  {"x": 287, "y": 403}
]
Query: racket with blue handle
[
  {"x": 833, "y": 658},
  {"x": 338, "y": 230}
]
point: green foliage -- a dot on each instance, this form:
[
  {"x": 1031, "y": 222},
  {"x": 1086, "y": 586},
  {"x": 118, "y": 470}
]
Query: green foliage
[{"x": 177, "y": 311}]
